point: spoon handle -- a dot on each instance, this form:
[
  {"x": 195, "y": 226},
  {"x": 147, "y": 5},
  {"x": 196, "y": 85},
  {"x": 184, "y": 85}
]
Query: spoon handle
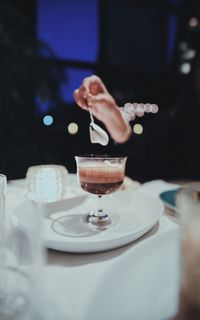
[
  {"x": 91, "y": 115},
  {"x": 90, "y": 112}
]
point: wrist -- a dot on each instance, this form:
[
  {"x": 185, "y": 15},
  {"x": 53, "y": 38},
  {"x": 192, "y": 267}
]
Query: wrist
[
  {"x": 124, "y": 136},
  {"x": 118, "y": 126}
]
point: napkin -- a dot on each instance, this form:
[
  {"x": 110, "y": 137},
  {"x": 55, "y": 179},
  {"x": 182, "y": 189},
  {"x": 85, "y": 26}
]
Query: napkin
[
  {"x": 46, "y": 209},
  {"x": 130, "y": 184}
]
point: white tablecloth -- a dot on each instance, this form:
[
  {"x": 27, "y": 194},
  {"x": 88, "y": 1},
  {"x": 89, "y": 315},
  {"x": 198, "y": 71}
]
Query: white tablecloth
[{"x": 72, "y": 279}]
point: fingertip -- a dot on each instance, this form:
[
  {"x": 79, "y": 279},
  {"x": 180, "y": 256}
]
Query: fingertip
[
  {"x": 89, "y": 96},
  {"x": 75, "y": 93},
  {"x": 89, "y": 103}
]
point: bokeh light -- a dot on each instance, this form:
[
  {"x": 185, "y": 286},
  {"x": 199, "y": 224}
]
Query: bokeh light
[
  {"x": 48, "y": 120},
  {"x": 73, "y": 128},
  {"x": 193, "y": 22},
  {"x": 138, "y": 128},
  {"x": 185, "y": 68}
]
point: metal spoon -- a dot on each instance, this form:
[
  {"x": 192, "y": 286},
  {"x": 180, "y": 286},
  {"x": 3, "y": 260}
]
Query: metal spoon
[{"x": 97, "y": 134}]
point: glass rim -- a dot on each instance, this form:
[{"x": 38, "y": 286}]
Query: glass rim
[
  {"x": 2, "y": 177},
  {"x": 101, "y": 156},
  {"x": 47, "y": 165}
]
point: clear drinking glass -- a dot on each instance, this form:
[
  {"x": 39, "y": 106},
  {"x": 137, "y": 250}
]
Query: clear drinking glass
[
  {"x": 3, "y": 232},
  {"x": 100, "y": 175},
  {"x": 21, "y": 264},
  {"x": 3, "y": 187},
  {"x": 188, "y": 206}
]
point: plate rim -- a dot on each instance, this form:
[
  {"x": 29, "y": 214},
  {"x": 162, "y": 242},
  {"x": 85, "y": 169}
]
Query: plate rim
[
  {"x": 104, "y": 245},
  {"x": 100, "y": 245}
]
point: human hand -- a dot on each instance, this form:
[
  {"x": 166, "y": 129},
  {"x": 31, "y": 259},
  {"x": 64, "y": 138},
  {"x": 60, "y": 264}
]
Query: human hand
[
  {"x": 93, "y": 94},
  {"x": 90, "y": 87}
]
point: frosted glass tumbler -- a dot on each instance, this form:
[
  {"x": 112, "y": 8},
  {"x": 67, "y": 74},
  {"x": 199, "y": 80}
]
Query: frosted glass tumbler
[{"x": 47, "y": 183}]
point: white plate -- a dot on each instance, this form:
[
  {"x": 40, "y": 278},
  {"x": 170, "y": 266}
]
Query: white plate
[
  {"x": 137, "y": 212},
  {"x": 142, "y": 283}
]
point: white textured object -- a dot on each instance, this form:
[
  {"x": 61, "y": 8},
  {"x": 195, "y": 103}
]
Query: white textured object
[{"x": 46, "y": 183}]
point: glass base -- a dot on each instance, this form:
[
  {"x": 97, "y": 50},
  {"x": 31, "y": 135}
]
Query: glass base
[
  {"x": 102, "y": 221},
  {"x": 83, "y": 225}
]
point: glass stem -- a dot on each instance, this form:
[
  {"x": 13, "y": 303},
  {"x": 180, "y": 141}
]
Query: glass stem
[{"x": 99, "y": 204}]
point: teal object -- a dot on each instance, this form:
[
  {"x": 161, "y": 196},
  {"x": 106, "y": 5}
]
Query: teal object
[{"x": 169, "y": 198}]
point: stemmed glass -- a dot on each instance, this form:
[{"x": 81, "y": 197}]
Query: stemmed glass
[{"x": 100, "y": 175}]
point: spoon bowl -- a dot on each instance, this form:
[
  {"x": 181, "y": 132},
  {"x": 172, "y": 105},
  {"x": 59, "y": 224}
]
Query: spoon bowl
[{"x": 97, "y": 134}]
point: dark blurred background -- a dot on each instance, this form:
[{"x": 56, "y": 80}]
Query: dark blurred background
[{"x": 145, "y": 51}]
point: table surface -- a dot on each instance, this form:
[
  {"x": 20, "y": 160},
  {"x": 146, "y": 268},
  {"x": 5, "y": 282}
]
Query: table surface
[
  {"x": 73, "y": 259},
  {"x": 78, "y": 274}
]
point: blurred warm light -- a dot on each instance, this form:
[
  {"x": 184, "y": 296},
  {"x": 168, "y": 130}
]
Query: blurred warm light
[
  {"x": 73, "y": 128},
  {"x": 183, "y": 45},
  {"x": 147, "y": 107},
  {"x": 48, "y": 120},
  {"x": 189, "y": 54},
  {"x": 154, "y": 108},
  {"x": 185, "y": 68},
  {"x": 128, "y": 105},
  {"x": 193, "y": 22},
  {"x": 140, "y": 110},
  {"x": 138, "y": 128}
]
